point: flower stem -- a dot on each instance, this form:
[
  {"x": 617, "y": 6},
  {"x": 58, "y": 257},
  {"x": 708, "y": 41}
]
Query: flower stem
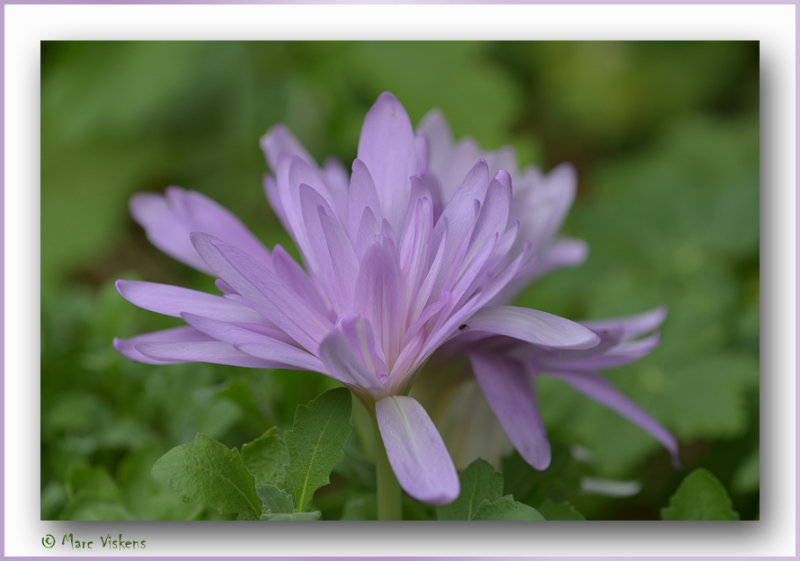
[{"x": 389, "y": 494}]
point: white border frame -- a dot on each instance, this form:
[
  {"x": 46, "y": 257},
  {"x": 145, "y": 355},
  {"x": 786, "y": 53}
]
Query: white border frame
[{"x": 773, "y": 25}]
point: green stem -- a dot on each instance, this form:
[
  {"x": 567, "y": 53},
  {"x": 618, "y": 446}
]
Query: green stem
[{"x": 389, "y": 494}]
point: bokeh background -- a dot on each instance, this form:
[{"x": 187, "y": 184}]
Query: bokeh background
[{"x": 665, "y": 139}]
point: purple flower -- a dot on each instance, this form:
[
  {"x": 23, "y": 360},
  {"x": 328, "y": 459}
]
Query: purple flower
[
  {"x": 504, "y": 363},
  {"x": 503, "y": 368},
  {"x": 396, "y": 261}
]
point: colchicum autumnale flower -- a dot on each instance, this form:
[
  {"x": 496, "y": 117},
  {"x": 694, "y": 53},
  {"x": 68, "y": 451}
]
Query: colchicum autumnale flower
[
  {"x": 398, "y": 258},
  {"x": 503, "y": 366}
]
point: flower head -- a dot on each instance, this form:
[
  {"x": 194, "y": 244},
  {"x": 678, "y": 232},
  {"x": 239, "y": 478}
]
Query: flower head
[
  {"x": 503, "y": 362},
  {"x": 396, "y": 260}
]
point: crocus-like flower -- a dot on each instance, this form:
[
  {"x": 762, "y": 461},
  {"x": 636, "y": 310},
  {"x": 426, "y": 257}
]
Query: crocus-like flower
[
  {"x": 395, "y": 266},
  {"x": 503, "y": 366}
]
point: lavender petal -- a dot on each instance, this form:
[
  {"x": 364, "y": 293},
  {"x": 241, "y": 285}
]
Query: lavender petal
[
  {"x": 504, "y": 382},
  {"x": 416, "y": 451},
  {"x": 533, "y": 326}
]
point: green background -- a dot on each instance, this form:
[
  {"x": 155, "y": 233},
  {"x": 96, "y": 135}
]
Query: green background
[{"x": 664, "y": 136}]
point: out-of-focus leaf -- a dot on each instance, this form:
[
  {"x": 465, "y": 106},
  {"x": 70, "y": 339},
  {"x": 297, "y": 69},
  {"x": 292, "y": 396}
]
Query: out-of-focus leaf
[
  {"x": 700, "y": 497},
  {"x": 746, "y": 477},
  {"x": 92, "y": 482},
  {"x": 360, "y": 506},
  {"x": 93, "y": 495}
]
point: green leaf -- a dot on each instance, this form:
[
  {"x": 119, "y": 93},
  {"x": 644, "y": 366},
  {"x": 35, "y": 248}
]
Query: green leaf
[
  {"x": 479, "y": 482},
  {"x": 210, "y": 473},
  {"x": 92, "y": 483},
  {"x": 313, "y": 515},
  {"x": 506, "y": 508},
  {"x": 93, "y": 509},
  {"x": 315, "y": 442},
  {"x": 275, "y": 500},
  {"x": 267, "y": 458},
  {"x": 94, "y": 495},
  {"x": 559, "y": 511},
  {"x": 700, "y": 497}
]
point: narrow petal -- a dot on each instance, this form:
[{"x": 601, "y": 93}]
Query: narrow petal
[
  {"x": 416, "y": 452},
  {"x": 279, "y": 141},
  {"x": 215, "y": 352},
  {"x": 504, "y": 382},
  {"x": 246, "y": 339},
  {"x": 184, "y": 334},
  {"x": 184, "y": 344},
  {"x": 356, "y": 363},
  {"x": 546, "y": 205},
  {"x": 256, "y": 283},
  {"x": 387, "y": 148},
  {"x": 174, "y": 300},
  {"x": 493, "y": 218},
  {"x": 415, "y": 244},
  {"x": 434, "y": 128},
  {"x": 361, "y": 195},
  {"x": 583, "y": 361},
  {"x": 533, "y": 326},
  {"x": 341, "y": 259},
  {"x": 599, "y": 389},
  {"x": 169, "y": 221},
  {"x": 337, "y": 180},
  {"x": 380, "y": 295},
  {"x": 631, "y": 326},
  {"x": 458, "y": 220},
  {"x": 151, "y": 212},
  {"x": 292, "y": 274},
  {"x": 563, "y": 252}
]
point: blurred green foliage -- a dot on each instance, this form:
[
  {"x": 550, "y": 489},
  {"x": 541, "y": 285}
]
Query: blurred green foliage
[{"x": 665, "y": 139}]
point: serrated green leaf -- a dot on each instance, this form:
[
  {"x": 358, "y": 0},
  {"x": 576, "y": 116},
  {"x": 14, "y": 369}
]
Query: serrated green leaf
[
  {"x": 479, "y": 483},
  {"x": 275, "y": 500},
  {"x": 267, "y": 458},
  {"x": 559, "y": 511},
  {"x": 700, "y": 497},
  {"x": 208, "y": 472},
  {"x": 506, "y": 508},
  {"x": 316, "y": 441}
]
